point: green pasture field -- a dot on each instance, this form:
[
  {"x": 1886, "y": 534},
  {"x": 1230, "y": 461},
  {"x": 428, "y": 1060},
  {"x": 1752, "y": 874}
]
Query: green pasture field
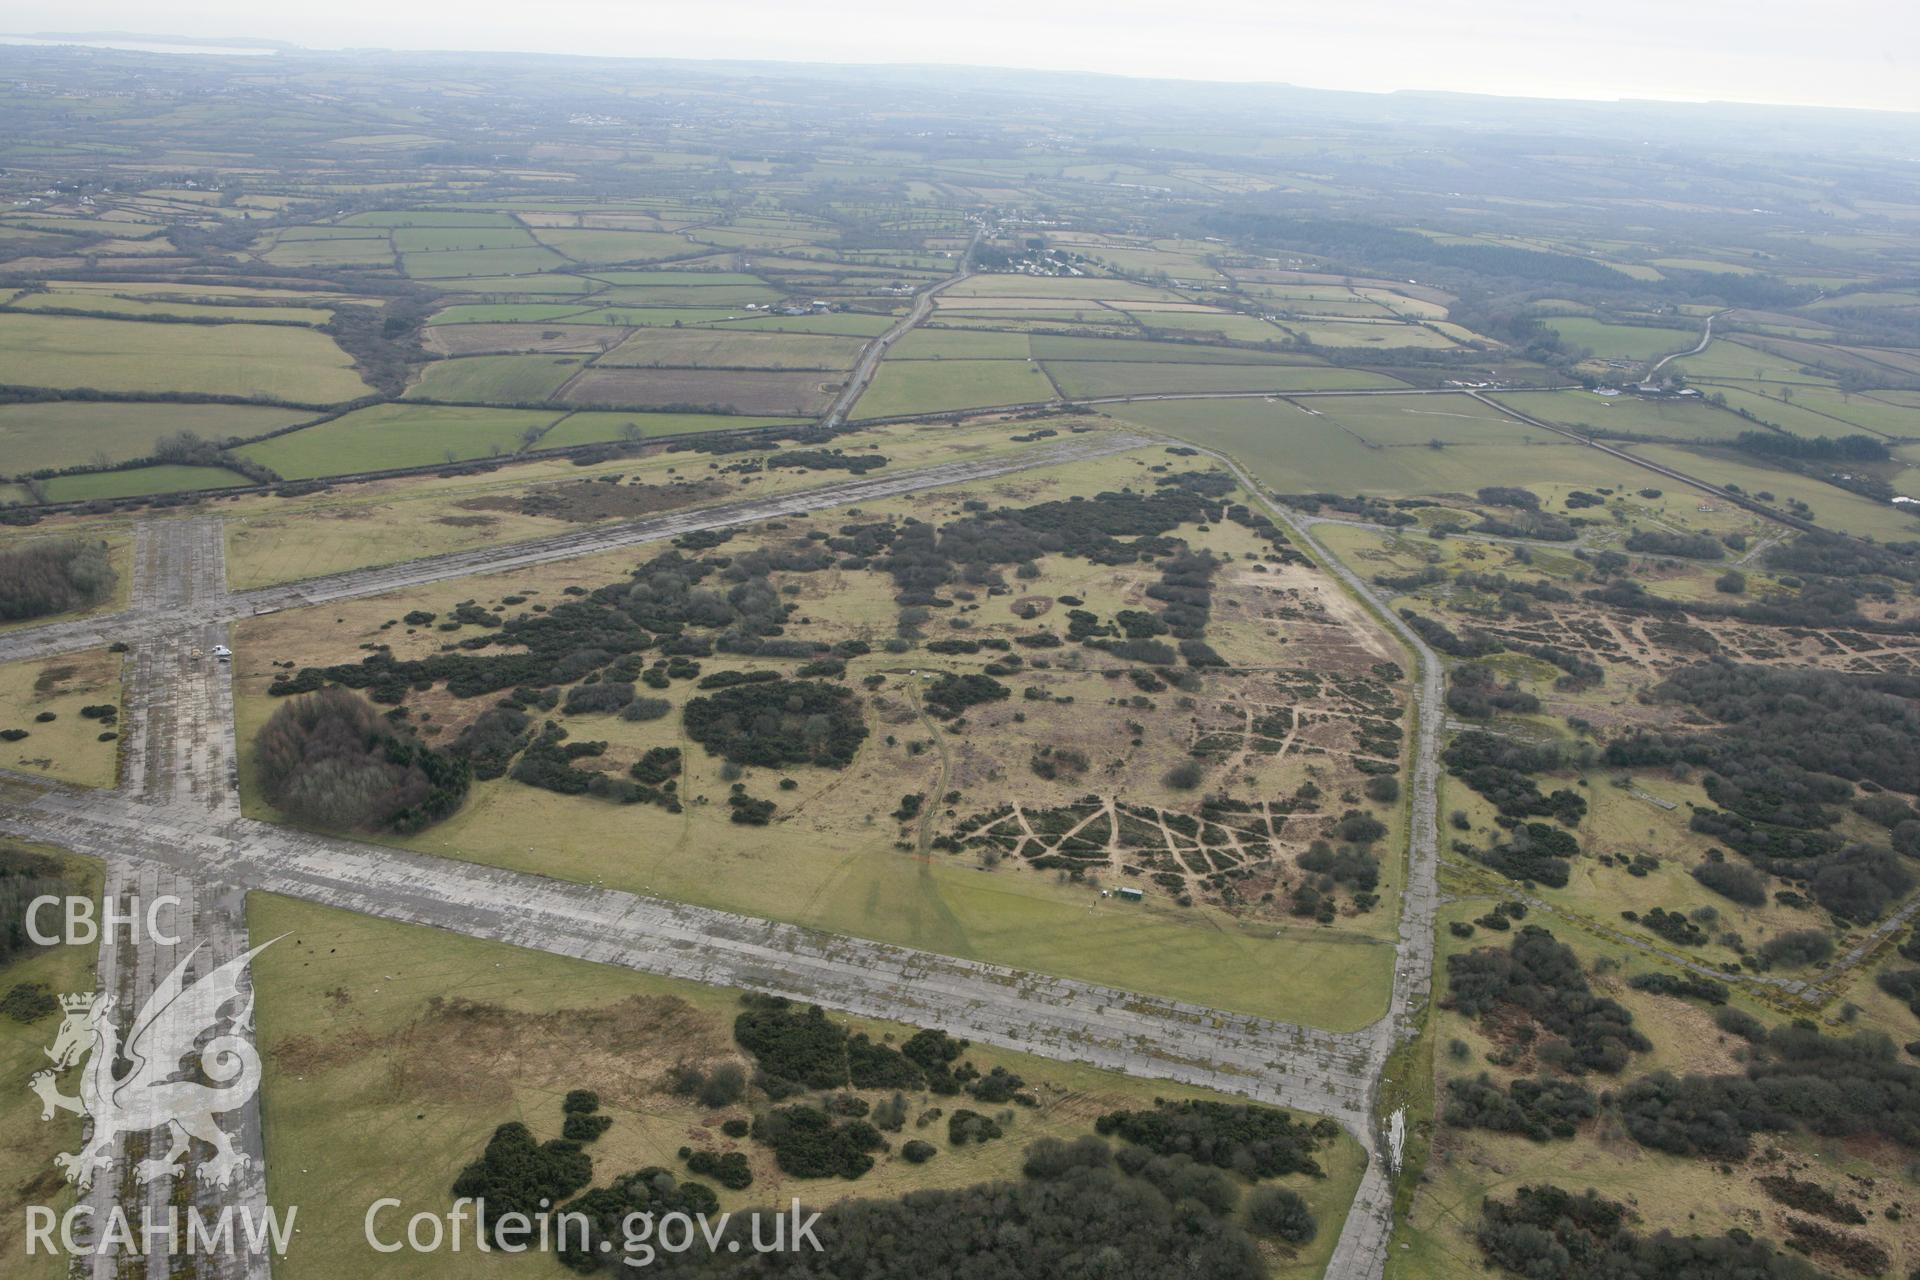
[
  {"x": 549, "y": 284},
  {"x": 362, "y": 1097},
  {"x": 594, "y": 428},
  {"x": 732, "y": 296},
  {"x": 1705, "y": 264},
  {"x": 28, "y": 1175},
  {"x": 429, "y": 218},
  {"x": 526, "y": 379},
  {"x": 1233, "y": 327},
  {"x": 933, "y": 386},
  {"x": 1879, "y": 411},
  {"x": 1419, "y": 420},
  {"x": 1346, "y": 334},
  {"x": 849, "y": 324},
  {"x": 1050, "y": 347},
  {"x": 504, "y": 312},
  {"x": 456, "y": 239},
  {"x": 1116, "y": 378},
  {"x": 387, "y": 436},
  {"x": 681, "y": 279},
  {"x": 1621, "y": 341},
  {"x": 331, "y": 253},
  {"x": 480, "y": 262},
  {"x": 139, "y": 482},
  {"x": 1726, "y": 360},
  {"x": 725, "y": 349},
  {"x": 1628, "y": 415},
  {"x": 89, "y": 300},
  {"x": 126, "y": 355},
  {"x": 658, "y": 317},
  {"x": 1833, "y": 508},
  {"x": 1292, "y": 451},
  {"x": 1060, "y": 287},
  {"x": 70, "y": 433},
  {"x": 616, "y": 246},
  {"x": 1764, "y": 400},
  {"x": 954, "y": 344}
]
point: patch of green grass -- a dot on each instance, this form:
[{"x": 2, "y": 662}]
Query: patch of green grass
[
  {"x": 139, "y": 482},
  {"x": 932, "y": 386},
  {"x": 1115, "y": 378},
  {"x": 956, "y": 344},
  {"x": 726, "y": 348},
  {"x": 480, "y": 262},
  {"x": 504, "y": 312},
  {"x": 28, "y": 1175},
  {"x": 1629, "y": 415},
  {"x": 1833, "y": 508},
  {"x": 519, "y": 379},
  {"x": 127, "y": 355},
  {"x": 1621, "y": 341},
  {"x": 1296, "y": 452},
  {"x": 388, "y": 436},
  {"x": 68, "y": 433}
]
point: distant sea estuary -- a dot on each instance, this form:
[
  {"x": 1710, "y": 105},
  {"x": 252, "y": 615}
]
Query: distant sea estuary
[{"x": 142, "y": 46}]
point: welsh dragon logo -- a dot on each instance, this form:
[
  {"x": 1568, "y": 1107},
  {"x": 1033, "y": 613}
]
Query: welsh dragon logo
[{"x": 136, "y": 1087}]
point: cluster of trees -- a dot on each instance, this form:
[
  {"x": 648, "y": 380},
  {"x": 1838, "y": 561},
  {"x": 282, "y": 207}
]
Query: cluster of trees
[
  {"x": 827, "y": 460},
  {"x": 1248, "y": 1139},
  {"x": 515, "y": 1174},
  {"x": 809, "y": 1143},
  {"x": 951, "y": 694},
  {"x": 1079, "y": 1209},
  {"x": 1476, "y": 693},
  {"x": 801, "y": 1047},
  {"x": 1664, "y": 542},
  {"x": 1681, "y": 986},
  {"x": 1795, "y": 1078},
  {"x": 1550, "y": 1234},
  {"x": 1540, "y": 1109},
  {"x": 331, "y": 760},
  {"x": 1775, "y": 444},
  {"x": 1539, "y": 977},
  {"x": 779, "y": 722},
  {"x": 24, "y": 876},
  {"x": 45, "y": 578},
  {"x": 1791, "y": 748},
  {"x": 1533, "y": 852}
]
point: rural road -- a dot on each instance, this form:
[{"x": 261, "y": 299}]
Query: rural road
[
  {"x": 869, "y": 362},
  {"x": 1706, "y": 338}
]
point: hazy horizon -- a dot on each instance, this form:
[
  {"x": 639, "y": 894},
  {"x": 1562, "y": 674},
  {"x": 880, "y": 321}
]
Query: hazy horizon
[{"x": 1764, "y": 53}]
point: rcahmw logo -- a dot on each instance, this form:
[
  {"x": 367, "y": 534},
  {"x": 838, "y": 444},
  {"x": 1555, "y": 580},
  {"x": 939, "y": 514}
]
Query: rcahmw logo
[{"x": 134, "y": 1086}]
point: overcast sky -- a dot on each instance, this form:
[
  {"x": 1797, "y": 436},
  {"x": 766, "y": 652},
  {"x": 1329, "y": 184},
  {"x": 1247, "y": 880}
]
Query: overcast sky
[{"x": 1861, "y": 53}]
